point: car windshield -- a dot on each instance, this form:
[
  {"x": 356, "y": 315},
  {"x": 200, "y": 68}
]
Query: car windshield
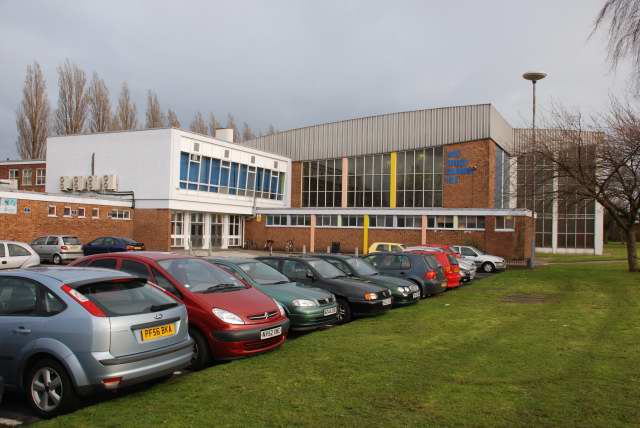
[
  {"x": 326, "y": 269},
  {"x": 452, "y": 259},
  {"x": 361, "y": 267},
  {"x": 263, "y": 273},
  {"x": 478, "y": 252},
  {"x": 70, "y": 240},
  {"x": 431, "y": 261},
  {"x": 199, "y": 276}
]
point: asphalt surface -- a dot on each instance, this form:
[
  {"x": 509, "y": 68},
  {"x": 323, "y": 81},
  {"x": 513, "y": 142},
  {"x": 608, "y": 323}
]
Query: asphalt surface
[{"x": 14, "y": 410}]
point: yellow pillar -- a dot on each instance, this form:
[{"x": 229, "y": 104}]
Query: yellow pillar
[
  {"x": 392, "y": 181},
  {"x": 365, "y": 239}
]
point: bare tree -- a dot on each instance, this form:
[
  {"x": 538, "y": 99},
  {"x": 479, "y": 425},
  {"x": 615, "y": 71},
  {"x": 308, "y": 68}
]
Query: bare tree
[
  {"x": 247, "y": 133},
  {"x": 155, "y": 117},
  {"x": 213, "y": 125},
  {"x": 126, "y": 115},
  {"x": 32, "y": 116},
  {"x": 172, "y": 119},
  {"x": 271, "y": 130},
  {"x": 73, "y": 100},
  {"x": 623, "y": 17},
  {"x": 598, "y": 163},
  {"x": 198, "y": 124},
  {"x": 99, "y": 105},
  {"x": 231, "y": 124}
]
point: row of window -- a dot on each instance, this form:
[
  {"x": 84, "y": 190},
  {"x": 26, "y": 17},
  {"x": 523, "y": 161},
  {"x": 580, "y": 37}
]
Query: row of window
[
  {"x": 27, "y": 176},
  {"x": 454, "y": 222},
  {"x": 207, "y": 174},
  {"x": 80, "y": 212}
]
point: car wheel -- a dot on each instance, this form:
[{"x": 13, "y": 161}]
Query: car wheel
[
  {"x": 344, "y": 311},
  {"x": 488, "y": 267},
  {"x": 201, "y": 354},
  {"x": 57, "y": 260},
  {"x": 49, "y": 389}
]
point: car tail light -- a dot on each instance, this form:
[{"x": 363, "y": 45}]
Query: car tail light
[
  {"x": 64, "y": 247},
  {"x": 112, "y": 382},
  {"x": 83, "y": 301},
  {"x": 130, "y": 248},
  {"x": 456, "y": 269},
  {"x": 430, "y": 275}
]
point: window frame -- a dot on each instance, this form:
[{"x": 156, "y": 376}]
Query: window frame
[
  {"x": 27, "y": 176},
  {"x": 55, "y": 211},
  {"x": 41, "y": 176}
]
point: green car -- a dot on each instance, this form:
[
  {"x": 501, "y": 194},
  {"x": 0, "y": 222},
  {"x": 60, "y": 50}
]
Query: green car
[{"x": 307, "y": 308}]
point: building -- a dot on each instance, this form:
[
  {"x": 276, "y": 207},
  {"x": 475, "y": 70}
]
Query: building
[
  {"x": 446, "y": 175},
  {"x": 28, "y": 175}
]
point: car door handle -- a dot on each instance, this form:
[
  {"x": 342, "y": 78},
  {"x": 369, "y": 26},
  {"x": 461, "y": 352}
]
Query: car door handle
[
  {"x": 4, "y": 262},
  {"x": 22, "y": 330},
  {"x": 402, "y": 273}
]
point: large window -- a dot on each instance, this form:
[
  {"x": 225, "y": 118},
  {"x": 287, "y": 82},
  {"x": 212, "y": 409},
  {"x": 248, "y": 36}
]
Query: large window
[
  {"x": 419, "y": 178},
  {"x": 215, "y": 175},
  {"x": 576, "y": 224},
  {"x": 177, "y": 229},
  {"x": 322, "y": 183},
  {"x": 535, "y": 192},
  {"x": 40, "y": 176},
  {"x": 369, "y": 181}
]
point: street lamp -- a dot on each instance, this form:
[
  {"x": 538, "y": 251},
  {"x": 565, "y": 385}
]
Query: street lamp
[{"x": 533, "y": 77}]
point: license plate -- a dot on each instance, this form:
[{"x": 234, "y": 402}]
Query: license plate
[
  {"x": 416, "y": 295},
  {"x": 153, "y": 333},
  {"x": 330, "y": 311},
  {"x": 272, "y": 332},
  {"x": 386, "y": 302},
  {"x": 137, "y": 248}
]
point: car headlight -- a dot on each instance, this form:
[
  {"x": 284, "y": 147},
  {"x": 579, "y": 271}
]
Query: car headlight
[
  {"x": 280, "y": 307},
  {"x": 403, "y": 290},
  {"x": 226, "y": 316},
  {"x": 370, "y": 296},
  {"x": 304, "y": 303}
]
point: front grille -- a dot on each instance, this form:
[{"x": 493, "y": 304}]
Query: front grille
[
  {"x": 384, "y": 294},
  {"x": 327, "y": 301},
  {"x": 263, "y": 316},
  {"x": 261, "y": 344}
]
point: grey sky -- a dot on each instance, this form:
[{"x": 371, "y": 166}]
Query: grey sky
[{"x": 296, "y": 63}]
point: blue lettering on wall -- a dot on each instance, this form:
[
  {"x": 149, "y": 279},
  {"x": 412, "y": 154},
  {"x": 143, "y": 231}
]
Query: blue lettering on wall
[
  {"x": 459, "y": 171},
  {"x": 457, "y": 162},
  {"x": 453, "y": 179},
  {"x": 453, "y": 154}
]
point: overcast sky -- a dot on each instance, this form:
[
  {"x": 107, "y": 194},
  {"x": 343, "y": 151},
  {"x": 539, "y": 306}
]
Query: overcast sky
[{"x": 296, "y": 63}]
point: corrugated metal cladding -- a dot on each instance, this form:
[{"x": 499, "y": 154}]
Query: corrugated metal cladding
[
  {"x": 389, "y": 132},
  {"x": 522, "y": 137}
]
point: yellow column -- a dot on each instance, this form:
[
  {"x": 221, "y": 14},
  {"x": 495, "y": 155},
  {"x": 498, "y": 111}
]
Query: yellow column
[
  {"x": 392, "y": 181},
  {"x": 365, "y": 239}
]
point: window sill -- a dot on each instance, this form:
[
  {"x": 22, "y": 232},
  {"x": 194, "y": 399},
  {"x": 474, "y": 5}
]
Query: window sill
[{"x": 504, "y": 230}]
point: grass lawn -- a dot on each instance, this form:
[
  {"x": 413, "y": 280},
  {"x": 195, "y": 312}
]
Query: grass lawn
[
  {"x": 613, "y": 251},
  {"x": 467, "y": 358}
]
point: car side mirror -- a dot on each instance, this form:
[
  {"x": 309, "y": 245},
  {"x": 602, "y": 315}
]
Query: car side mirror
[{"x": 310, "y": 276}]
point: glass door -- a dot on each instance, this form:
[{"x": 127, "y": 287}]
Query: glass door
[
  {"x": 197, "y": 230},
  {"x": 235, "y": 231},
  {"x": 216, "y": 230}
]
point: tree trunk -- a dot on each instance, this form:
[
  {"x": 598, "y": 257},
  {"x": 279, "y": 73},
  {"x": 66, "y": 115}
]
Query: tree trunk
[{"x": 632, "y": 256}]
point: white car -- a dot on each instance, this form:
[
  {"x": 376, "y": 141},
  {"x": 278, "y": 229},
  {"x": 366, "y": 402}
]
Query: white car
[
  {"x": 486, "y": 262},
  {"x": 16, "y": 255}
]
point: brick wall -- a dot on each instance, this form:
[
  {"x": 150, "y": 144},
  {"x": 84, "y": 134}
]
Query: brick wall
[
  {"x": 296, "y": 184},
  {"x": 475, "y": 190},
  {"x": 27, "y": 226},
  {"x": 4, "y": 174},
  {"x": 153, "y": 227}
]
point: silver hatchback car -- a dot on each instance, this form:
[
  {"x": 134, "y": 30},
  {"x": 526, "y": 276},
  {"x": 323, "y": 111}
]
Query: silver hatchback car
[
  {"x": 57, "y": 249},
  {"x": 68, "y": 332}
]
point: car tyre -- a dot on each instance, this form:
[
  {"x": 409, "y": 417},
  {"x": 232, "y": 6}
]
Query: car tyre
[
  {"x": 488, "y": 267},
  {"x": 201, "y": 354},
  {"x": 344, "y": 311},
  {"x": 49, "y": 389},
  {"x": 57, "y": 260}
]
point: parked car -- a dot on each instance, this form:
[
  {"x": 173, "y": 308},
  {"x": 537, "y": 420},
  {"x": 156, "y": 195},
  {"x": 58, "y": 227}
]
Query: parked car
[
  {"x": 467, "y": 269},
  {"x": 449, "y": 265},
  {"x": 420, "y": 269},
  {"x": 385, "y": 247},
  {"x": 111, "y": 244},
  {"x": 228, "y": 318},
  {"x": 15, "y": 255},
  {"x": 66, "y": 333},
  {"x": 354, "y": 297},
  {"x": 57, "y": 249},
  {"x": 1, "y": 388},
  {"x": 486, "y": 262},
  {"x": 404, "y": 292},
  {"x": 307, "y": 307}
]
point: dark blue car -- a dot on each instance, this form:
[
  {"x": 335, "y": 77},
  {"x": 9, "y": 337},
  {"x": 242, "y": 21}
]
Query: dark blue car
[{"x": 111, "y": 244}]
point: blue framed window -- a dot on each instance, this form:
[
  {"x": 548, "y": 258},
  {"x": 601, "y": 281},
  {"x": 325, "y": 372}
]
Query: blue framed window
[
  {"x": 215, "y": 175},
  {"x": 233, "y": 178},
  {"x": 204, "y": 174},
  {"x": 259, "y": 182},
  {"x": 242, "y": 180},
  {"x": 266, "y": 180},
  {"x": 194, "y": 171}
]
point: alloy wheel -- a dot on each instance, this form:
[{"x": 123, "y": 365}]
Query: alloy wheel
[
  {"x": 57, "y": 259},
  {"x": 341, "y": 311},
  {"x": 46, "y": 389}
]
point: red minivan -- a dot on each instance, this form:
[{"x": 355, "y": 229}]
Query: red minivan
[
  {"x": 449, "y": 266},
  {"x": 228, "y": 318}
]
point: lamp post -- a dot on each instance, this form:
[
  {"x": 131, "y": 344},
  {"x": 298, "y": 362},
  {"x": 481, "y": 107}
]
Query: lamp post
[{"x": 533, "y": 77}]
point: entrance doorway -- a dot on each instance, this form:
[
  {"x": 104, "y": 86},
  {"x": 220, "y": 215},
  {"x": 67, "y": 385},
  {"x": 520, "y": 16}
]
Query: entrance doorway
[
  {"x": 234, "y": 238},
  {"x": 216, "y": 230},
  {"x": 197, "y": 230}
]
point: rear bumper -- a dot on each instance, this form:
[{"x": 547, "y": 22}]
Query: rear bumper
[
  {"x": 238, "y": 343},
  {"x": 133, "y": 369},
  {"x": 364, "y": 307},
  {"x": 70, "y": 256}
]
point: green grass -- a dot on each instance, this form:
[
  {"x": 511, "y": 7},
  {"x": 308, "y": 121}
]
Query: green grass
[
  {"x": 613, "y": 251},
  {"x": 462, "y": 359}
]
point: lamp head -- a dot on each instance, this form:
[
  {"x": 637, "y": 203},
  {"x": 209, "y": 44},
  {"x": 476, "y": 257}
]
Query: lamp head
[{"x": 534, "y": 76}]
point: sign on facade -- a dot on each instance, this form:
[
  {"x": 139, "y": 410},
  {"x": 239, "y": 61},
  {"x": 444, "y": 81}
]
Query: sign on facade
[{"x": 8, "y": 206}]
